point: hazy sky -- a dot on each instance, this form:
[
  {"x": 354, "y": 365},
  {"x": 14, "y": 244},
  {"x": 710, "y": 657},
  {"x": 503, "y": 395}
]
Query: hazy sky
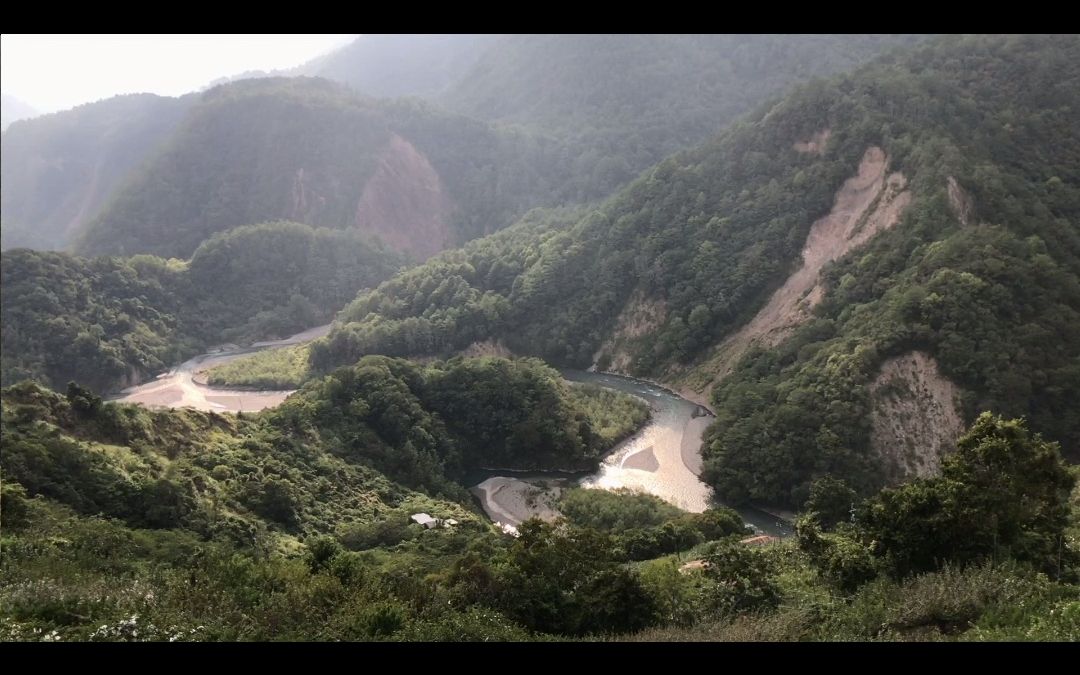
[{"x": 56, "y": 72}]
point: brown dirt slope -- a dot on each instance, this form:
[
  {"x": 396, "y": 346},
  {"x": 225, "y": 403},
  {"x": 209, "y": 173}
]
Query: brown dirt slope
[
  {"x": 960, "y": 201},
  {"x": 867, "y": 203},
  {"x": 405, "y": 202},
  {"x": 487, "y": 348}
]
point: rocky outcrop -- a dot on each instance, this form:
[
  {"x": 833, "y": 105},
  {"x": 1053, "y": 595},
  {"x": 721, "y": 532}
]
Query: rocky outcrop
[
  {"x": 488, "y": 347},
  {"x": 916, "y": 416},
  {"x": 640, "y": 316},
  {"x": 960, "y": 202}
]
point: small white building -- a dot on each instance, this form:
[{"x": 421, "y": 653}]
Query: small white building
[{"x": 424, "y": 519}]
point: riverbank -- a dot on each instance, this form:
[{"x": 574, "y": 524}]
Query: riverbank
[
  {"x": 511, "y": 501},
  {"x": 180, "y": 387},
  {"x": 663, "y": 459}
]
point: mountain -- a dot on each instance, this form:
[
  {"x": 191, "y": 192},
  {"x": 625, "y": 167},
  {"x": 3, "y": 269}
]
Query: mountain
[
  {"x": 401, "y": 65},
  {"x": 628, "y": 101},
  {"x": 300, "y": 150},
  {"x": 59, "y": 169},
  {"x": 620, "y": 102},
  {"x": 13, "y": 110},
  {"x": 908, "y": 228},
  {"x": 312, "y": 151}
]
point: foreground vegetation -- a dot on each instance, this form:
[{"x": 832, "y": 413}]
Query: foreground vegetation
[{"x": 121, "y": 524}]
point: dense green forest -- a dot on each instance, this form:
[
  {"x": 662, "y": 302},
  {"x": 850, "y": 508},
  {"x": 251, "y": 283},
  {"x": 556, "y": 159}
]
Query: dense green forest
[
  {"x": 60, "y": 169},
  {"x": 993, "y": 293},
  {"x": 618, "y": 103},
  {"x": 322, "y": 462},
  {"x": 123, "y": 524},
  {"x": 450, "y": 417},
  {"x": 109, "y": 322},
  {"x": 996, "y": 299},
  {"x": 303, "y": 149}
]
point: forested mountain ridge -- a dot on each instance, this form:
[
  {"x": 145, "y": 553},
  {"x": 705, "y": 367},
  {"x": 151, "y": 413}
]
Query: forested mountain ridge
[
  {"x": 484, "y": 177},
  {"x": 958, "y": 158},
  {"x": 620, "y": 102},
  {"x": 313, "y": 151},
  {"x": 124, "y": 524},
  {"x": 110, "y": 322},
  {"x": 634, "y": 99},
  {"x": 58, "y": 170},
  {"x": 300, "y": 149}
]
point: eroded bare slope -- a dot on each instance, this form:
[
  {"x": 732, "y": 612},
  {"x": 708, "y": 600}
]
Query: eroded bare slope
[
  {"x": 405, "y": 202},
  {"x": 868, "y": 203},
  {"x": 916, "y": 416}
]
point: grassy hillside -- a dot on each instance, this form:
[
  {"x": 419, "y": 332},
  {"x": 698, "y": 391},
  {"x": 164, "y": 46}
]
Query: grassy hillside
[{"x": 122, "y": 524}]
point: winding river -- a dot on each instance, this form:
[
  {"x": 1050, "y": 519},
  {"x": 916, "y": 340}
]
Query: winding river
[
  {"x": 178, "y": 388},
  {"x": 663, "y": 458}
]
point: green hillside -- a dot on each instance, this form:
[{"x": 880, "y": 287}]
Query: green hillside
[
  {"x": 122, "y": 524},
  {"x": 627, "y": 101},
  {"x": 985, "y": 281},
  {"x": 312, "y": 151},
  {"x": 110, "y": 322},
  {"x": 305, "y": 150}
]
